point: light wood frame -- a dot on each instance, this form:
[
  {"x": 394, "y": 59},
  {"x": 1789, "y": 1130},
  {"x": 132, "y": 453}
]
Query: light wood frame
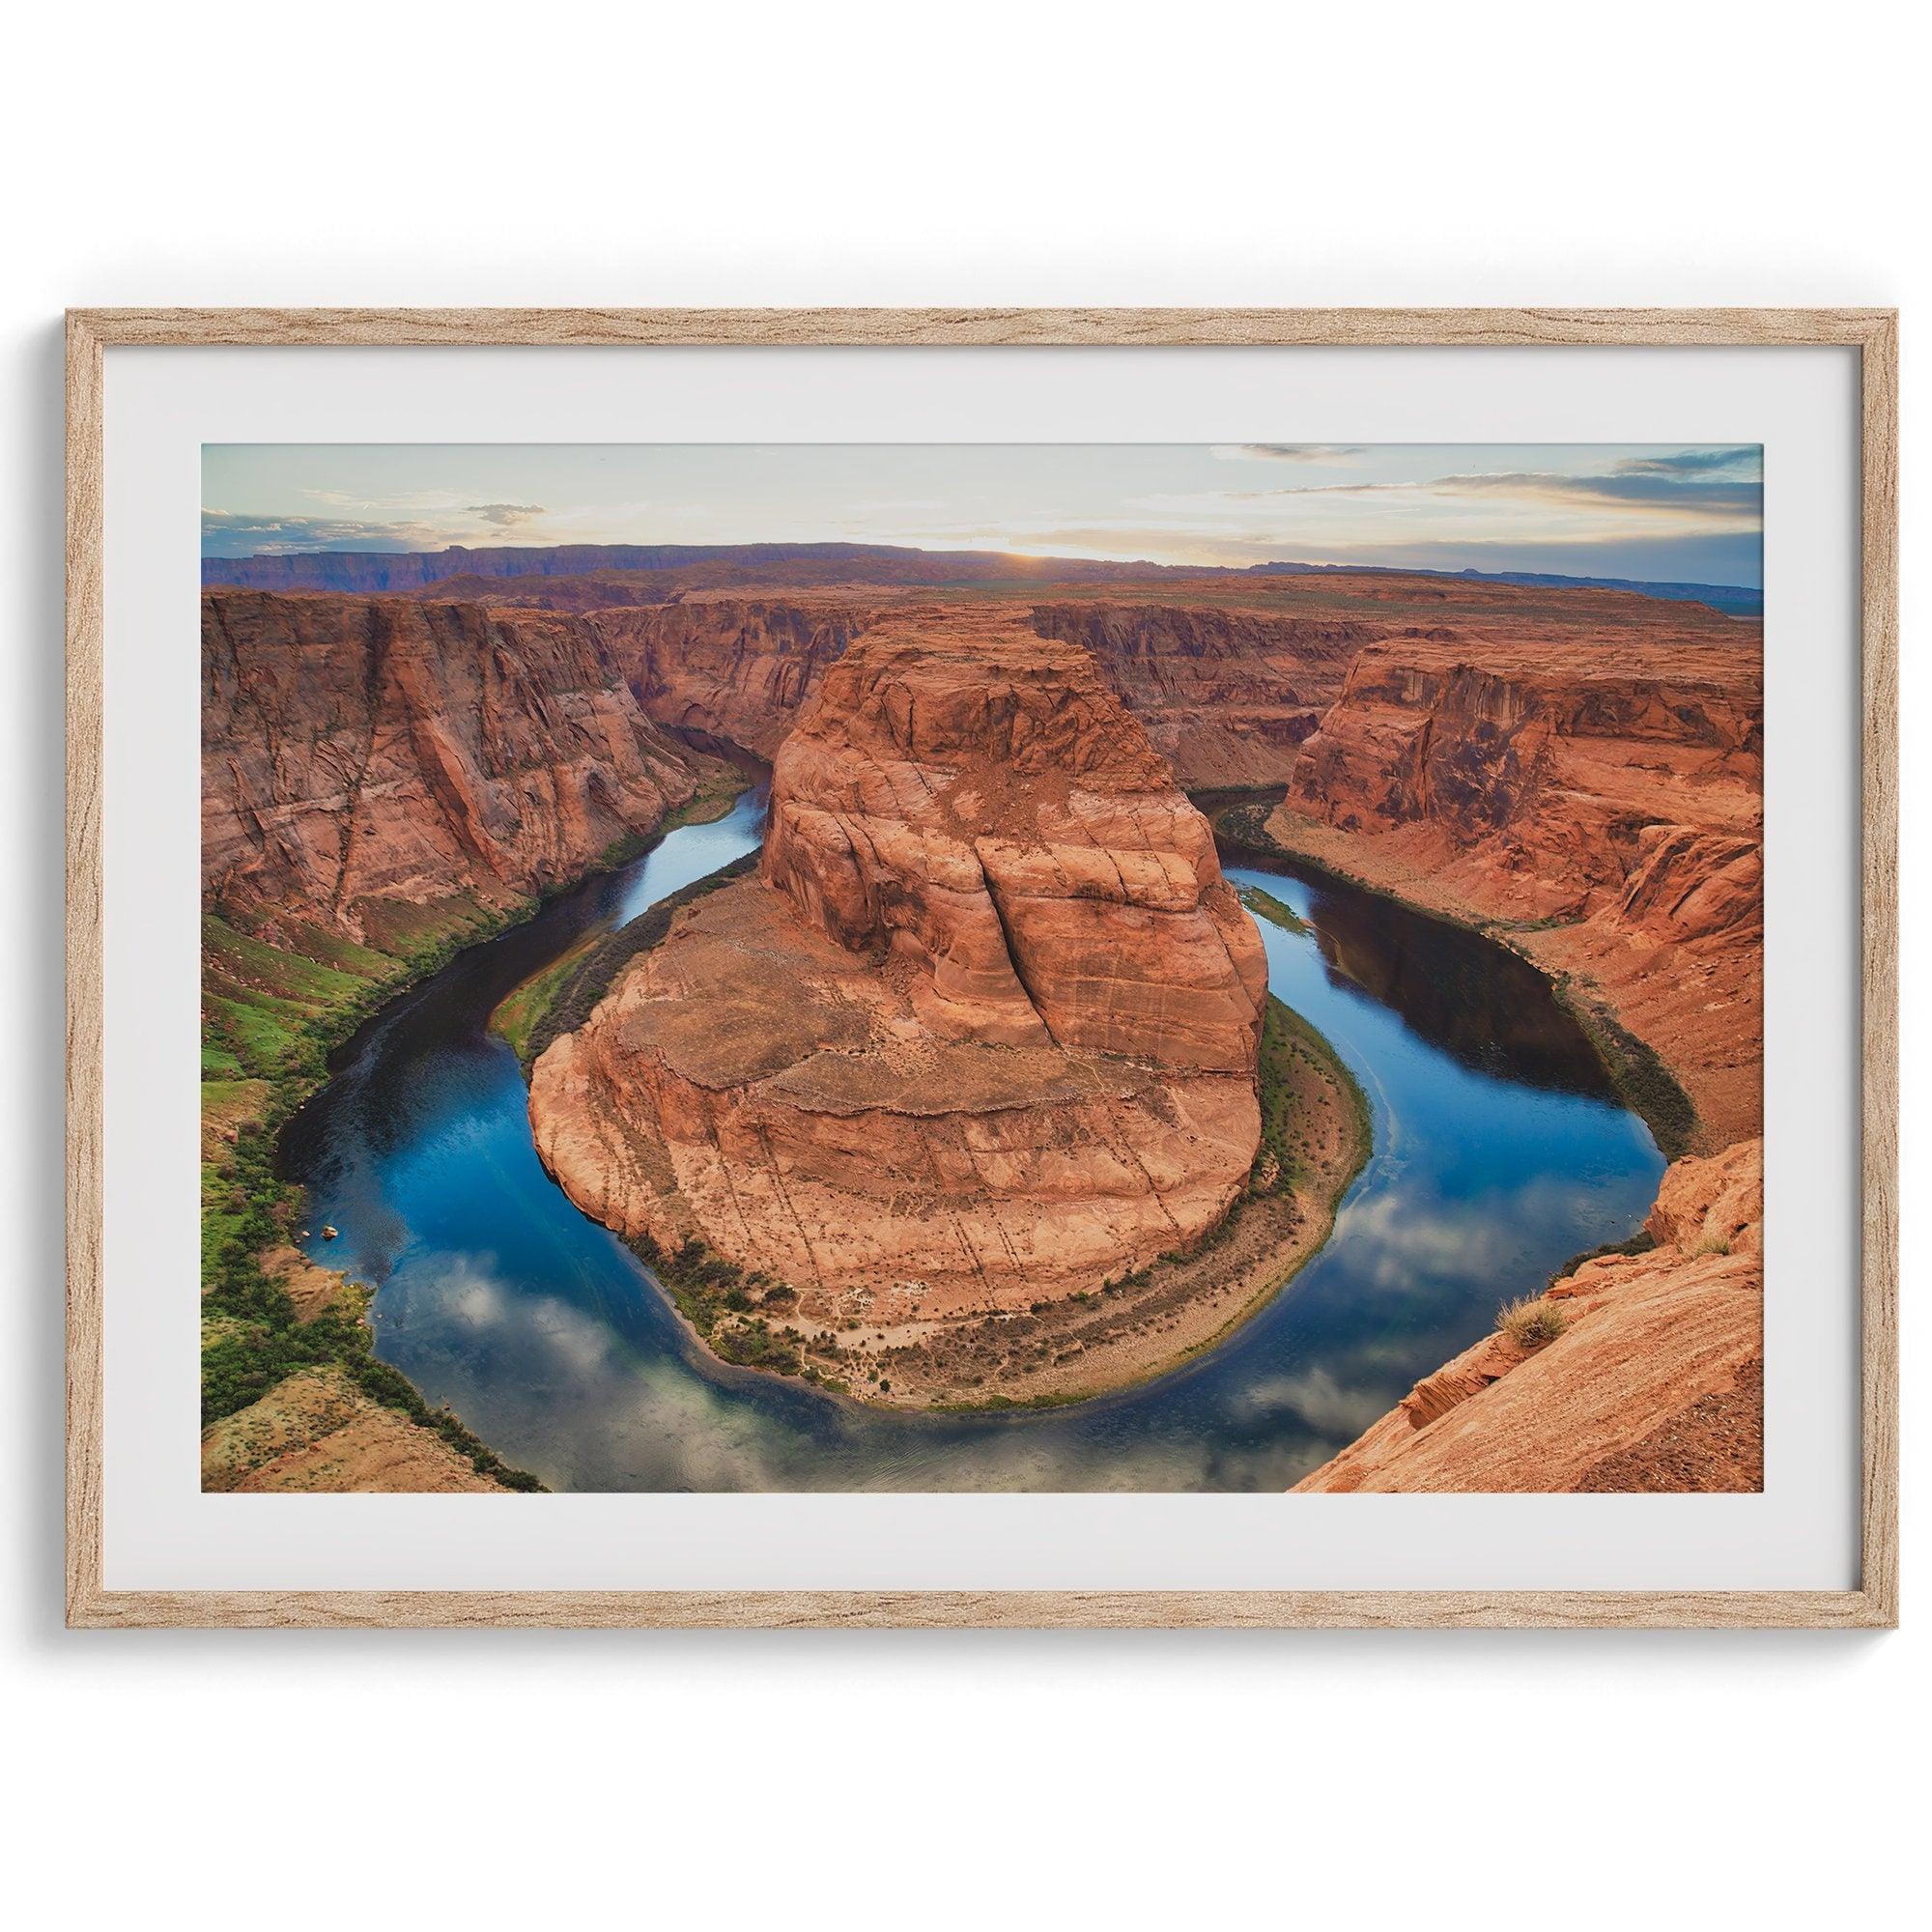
[{"x": 1872, "y": 332}]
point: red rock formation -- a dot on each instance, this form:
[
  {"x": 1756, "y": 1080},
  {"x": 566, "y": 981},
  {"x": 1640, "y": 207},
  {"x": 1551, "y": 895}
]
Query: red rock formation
[
  {"x": 360, "y": 749},
  {"x": 983, "y": 1031},
  {"x": 978, "y": 805},
  {"x": 1655, "y": 1381},
  {"x": 731, "y": 669},
  {"x": 1603, "y": 793},
  {"x": 1541, "y": 776},
  {"x": 1226, "y": 696}
]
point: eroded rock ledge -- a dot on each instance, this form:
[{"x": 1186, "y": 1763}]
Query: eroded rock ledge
[
  {"x": 983, "y": 1034},
  {"x": 1654, "y": 1383}
]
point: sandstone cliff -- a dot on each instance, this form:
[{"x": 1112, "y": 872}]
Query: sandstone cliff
[
  {"x": 1655, "y": 1381},
  {"x": 731, "y": 669},
  {"x": 361, "y": 750},
  {"x": 1226, "y": 696},
  {"x": 982, "y": 1034},
  {"x": 1600, "y": 797}
]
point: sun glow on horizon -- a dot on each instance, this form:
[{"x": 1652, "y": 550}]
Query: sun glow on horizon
[{"x": 1661, "y": 511}]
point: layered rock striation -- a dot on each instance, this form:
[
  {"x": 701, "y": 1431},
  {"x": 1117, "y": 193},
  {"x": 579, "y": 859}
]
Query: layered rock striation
[
  {"x": 359, "y": 750},
  {"x": 983, "y": 1030},
  {"x": 1226, "y": 696},
  {"x": 733, "y": 670},
  {"x": 1601, "y": 800},
  {"x": 1550, "y": 780}
]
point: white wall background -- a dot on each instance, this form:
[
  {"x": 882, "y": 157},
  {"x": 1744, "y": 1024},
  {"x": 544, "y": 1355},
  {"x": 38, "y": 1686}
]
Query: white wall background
[{"x": 887, "y": 154}]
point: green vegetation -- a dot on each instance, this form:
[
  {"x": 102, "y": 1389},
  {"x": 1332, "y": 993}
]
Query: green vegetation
[
  {"x": 516, "y": 1015},
  {"x": 272, "y": 1014},
  {"x": 1264, "y": 905},
  {"x": 274, "y": 1011},
  {"x": 1646, "y": 1085},
  {"x": 1243, "y": 828},
  {"x": 730, "y": 1308},
  {"x": 1531, "y": 1322},
  {"x": 1280, "y": 1162}
]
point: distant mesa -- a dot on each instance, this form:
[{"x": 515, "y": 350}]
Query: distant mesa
[{"x": 679, "y": 566}]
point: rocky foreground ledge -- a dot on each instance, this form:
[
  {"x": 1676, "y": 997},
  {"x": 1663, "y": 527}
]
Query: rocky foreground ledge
[
  {"x": 944, "y": 1105},
  {"x": 1636, "y": 1371}
]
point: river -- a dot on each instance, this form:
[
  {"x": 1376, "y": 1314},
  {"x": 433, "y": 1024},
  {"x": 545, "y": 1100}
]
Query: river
[{"x": 1500, "y": 1150}]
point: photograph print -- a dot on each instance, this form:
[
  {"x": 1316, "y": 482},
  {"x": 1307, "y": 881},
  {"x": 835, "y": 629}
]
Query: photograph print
[{"x": 1054, "y": 967}]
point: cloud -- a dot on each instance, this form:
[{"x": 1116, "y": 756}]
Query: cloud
[
  {"x": 1315, "y": 1398},
  {"x": 1290, "y": 452},
  {"x": 436, "y": 525},
  {"x": 232, "y": 534},
  {"x": 1663, "y": 490},
  {"x": 1694, "y": 461},
  {"x": 1702, "y": 498}
]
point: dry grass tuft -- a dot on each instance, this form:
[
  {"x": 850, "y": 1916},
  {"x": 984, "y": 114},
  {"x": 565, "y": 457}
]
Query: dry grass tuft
[{"x": 1531, "y": 1322}]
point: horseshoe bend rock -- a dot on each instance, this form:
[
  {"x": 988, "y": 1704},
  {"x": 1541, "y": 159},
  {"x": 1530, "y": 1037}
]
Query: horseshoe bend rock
[{"x": 983, "y": 1030}]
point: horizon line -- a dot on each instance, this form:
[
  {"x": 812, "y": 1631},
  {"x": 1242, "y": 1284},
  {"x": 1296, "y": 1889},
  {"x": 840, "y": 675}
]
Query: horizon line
[{"x": 1021, "y": 556}]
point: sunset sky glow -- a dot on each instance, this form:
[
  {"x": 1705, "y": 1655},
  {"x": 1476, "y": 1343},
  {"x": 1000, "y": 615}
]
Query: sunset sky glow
[{"x": 1648, "y": 511}]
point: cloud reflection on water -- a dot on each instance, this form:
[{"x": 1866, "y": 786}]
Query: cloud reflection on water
[{"x": 546, "y": 1337}]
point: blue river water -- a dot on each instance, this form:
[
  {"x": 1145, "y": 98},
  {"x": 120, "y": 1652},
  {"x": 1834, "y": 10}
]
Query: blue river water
[{"x": 1499, "y": 1151}]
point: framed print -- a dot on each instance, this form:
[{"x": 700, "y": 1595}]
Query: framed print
[{"x": 982, "y": 967}]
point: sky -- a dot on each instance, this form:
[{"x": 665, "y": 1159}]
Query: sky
[{"x": 1652, "y": 511}]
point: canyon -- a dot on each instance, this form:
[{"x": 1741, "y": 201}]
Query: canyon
[
  {"x": 1225, "y": 695},
  {"x": 981, "y": 1036},
  {"x": 363, "y": 753},
  {"x": 992, "y": 1036},
  {"x": 383, "y": 782},
  {"x": 1600, "y": 810}
]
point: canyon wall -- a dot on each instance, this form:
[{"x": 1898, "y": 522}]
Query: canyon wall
[
  {"x": 1226, "y": 696},
  {"x": 1597, "y": 800},
  {"x": 731, "y": 668},
  {"x": 361, "y": 749},
  {"x": 1545, "y": 778},
  {"x": 1654, "y": 1383},
  {"x": 983, "y": 1031},
  {"x": 1588, "y": 787}
]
